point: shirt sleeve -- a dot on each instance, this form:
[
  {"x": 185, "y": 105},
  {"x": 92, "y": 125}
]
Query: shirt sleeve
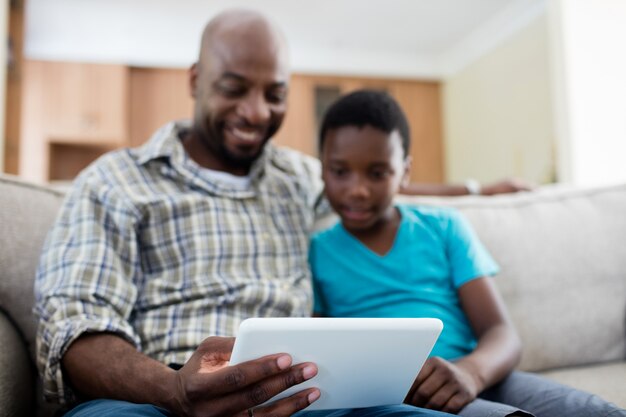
[
  {"x": 469, "y": 259},
  {"x": 319, "y": 304},
  {"x": 307, "y": 171},
  {"x": 315, "y": 187},
  {"x": 85, "y": 282}
]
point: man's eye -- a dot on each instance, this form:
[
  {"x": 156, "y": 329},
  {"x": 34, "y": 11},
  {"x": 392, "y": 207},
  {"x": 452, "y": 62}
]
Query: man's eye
[
  {"x": 231, "y": 90},
  {"x": 338, "y": 172},
  {"x": 277, "y": 96}
]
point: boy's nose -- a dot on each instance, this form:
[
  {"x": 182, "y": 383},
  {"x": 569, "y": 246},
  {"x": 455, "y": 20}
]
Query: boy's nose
[{"x": 358, "y": 188}]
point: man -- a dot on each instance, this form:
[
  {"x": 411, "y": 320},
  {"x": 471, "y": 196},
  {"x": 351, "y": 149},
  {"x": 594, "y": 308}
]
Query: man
[{"x": 158, "y": 247}]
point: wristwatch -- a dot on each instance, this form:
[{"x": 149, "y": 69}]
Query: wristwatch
[{"x": 473, "y": 186}]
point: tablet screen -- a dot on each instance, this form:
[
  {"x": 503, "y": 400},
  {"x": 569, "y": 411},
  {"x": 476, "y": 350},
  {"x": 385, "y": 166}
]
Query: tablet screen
[{"x": 362, "y": 362}]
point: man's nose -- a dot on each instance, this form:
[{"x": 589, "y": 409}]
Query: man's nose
[{"x": 255, "y": 109}]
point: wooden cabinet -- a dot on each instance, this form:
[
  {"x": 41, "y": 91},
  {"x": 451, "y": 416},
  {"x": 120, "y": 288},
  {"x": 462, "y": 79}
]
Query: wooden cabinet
[
  {"x": 157, "y": 96},
  {"x": 85, "y": 103},
  {"x": 298, "y": 130},
  {"x": 421, "y": 102},
  {"x": 162, "y": 95},
  {"x": 310, "y": 96},
  {"x": 71, "y": 113},
  {"x": 13, "y": 99}
]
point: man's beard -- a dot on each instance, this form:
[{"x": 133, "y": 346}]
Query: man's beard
[
  {"x": 238, "y": 161},
  {"x": 217, "y": 146}
]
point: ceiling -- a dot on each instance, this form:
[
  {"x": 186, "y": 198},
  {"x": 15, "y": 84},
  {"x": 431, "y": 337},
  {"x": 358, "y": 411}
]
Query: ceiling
[{"x": 416, "y": 38}]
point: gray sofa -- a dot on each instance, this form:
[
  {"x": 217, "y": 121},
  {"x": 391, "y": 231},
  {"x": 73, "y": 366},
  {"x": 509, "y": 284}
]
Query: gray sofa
[{"x": 562, "y": 254}]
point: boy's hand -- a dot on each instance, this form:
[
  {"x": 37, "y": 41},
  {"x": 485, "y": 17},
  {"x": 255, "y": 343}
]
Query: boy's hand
[{"x": 444, "y": 386}]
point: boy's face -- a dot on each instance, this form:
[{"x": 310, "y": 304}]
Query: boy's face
[{"x": 363, "y": 169}]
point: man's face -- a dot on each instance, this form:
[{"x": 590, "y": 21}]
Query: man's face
[
  {"x": 362, "y": 169},
  {"x": 240, "y": 93}
]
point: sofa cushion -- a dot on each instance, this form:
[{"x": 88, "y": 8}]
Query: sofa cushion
[
  {"x": 561, "y": 251},
  {"x": 563, "y": 269},
  {"x": 27, "y": 214},
  {"x": 606, "y": 380},
  {"x": 17, "y": 375}
]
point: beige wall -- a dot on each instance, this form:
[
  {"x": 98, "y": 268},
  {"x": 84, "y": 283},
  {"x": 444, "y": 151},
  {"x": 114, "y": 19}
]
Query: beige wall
[{"x": 498, "y": 112}]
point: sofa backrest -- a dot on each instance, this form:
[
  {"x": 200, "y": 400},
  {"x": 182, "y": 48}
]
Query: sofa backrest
[
  {"x": 27, "y": 212},
  {"x": 562, "y": 254},
  {"x": 561, "y": 251}
]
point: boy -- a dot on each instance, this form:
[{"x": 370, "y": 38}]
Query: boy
[{"x": 387, "y": 260}]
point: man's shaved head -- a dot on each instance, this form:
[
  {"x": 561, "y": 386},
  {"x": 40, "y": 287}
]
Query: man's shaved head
[
  {"x": 234, "y": 27},
  {"x": 239, "y": 85}
]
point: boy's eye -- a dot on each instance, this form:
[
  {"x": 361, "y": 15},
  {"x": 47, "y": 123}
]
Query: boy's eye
[
  {"x": 379, "y": 174},
  {"x": 338, "y": 172}
]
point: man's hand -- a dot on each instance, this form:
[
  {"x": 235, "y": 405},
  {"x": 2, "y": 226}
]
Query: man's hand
[
  {"x": 207, "y": 385},
  {"x": 443, "y": 386},
  {"x": 510, "y": 185}
]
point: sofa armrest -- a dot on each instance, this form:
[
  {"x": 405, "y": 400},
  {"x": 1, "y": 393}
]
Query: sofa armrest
[{"x": 17, "y": 376}]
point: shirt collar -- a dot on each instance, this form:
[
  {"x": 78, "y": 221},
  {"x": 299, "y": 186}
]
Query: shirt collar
[{"x": 165, "y": 144}]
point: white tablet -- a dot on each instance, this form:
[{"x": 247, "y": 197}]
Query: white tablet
[{"x": 362, "y": 362}]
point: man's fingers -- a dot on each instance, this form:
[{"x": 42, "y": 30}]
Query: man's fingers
[
  {"x": 290, "y": 405},
  {"x": 215, "y": 352},
  {"x": 279, "y": 383},
  {"x": 269, "y": 387},
  {"x": 258, "y": 393},
  {"x": 234, "y": 378}
]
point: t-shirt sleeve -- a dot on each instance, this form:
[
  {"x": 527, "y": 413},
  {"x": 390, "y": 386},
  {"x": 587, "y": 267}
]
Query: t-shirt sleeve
[{"x": 468, "y": 257}]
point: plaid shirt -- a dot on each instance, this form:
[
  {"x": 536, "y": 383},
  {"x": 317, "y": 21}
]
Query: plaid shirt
[{"x": 146, "y": 246}]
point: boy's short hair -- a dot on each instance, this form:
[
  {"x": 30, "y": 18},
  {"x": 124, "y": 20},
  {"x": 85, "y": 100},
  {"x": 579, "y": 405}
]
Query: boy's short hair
[{"x": 367, "y": 107}]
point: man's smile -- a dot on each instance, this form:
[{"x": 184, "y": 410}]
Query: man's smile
[{"x": 250, "y": 135}]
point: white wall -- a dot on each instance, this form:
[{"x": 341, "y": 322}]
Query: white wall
[
  {"x": 166, "y": 33},
  {"x": 403, "y": 38},
  {"x": 498, "y": 116},
  {"x": 589, "y": 53},
  {"x": 498, "y": 112}
]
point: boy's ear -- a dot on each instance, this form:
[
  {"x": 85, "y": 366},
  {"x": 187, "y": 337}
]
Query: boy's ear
[{"x": 406, "y": 176}]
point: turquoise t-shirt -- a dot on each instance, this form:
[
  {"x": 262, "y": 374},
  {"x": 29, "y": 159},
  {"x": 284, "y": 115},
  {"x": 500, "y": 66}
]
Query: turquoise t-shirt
[{"x": 434, "y": 253}]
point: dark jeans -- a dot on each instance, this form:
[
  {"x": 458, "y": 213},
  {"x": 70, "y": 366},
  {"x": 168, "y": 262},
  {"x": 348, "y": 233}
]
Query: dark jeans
[
  {"x": 113, "y": 408},
  {"x": 520, "y": 394},
  {"x": 539, "y": 397}
]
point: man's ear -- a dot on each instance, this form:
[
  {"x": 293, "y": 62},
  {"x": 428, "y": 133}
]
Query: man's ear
[
  {"x": 406, "y": 176},
  {"x": 193, "y": 80}
]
